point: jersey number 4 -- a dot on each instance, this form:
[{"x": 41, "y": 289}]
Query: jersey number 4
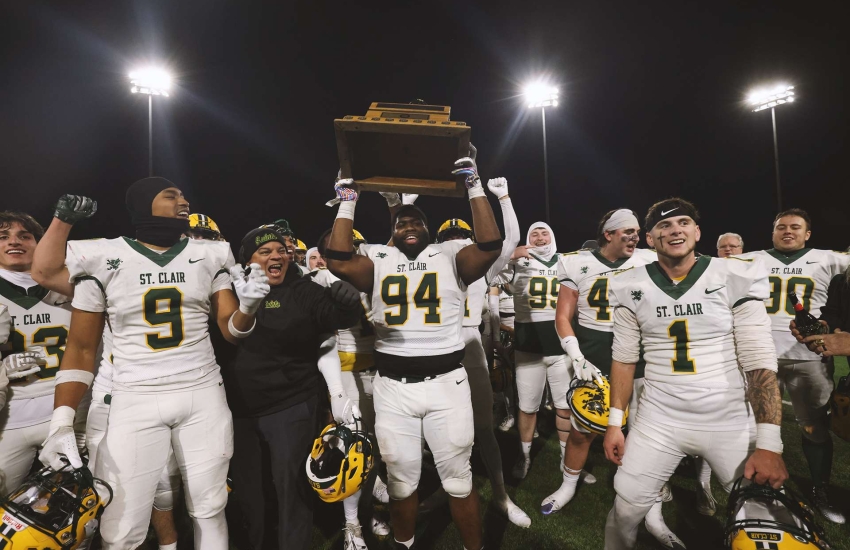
[
  {"x": 164, "y": 306},
  {"x": 597, "y": 298},
  {"x": 779, "y": 290},
  {"x": 394, "y": 294}
]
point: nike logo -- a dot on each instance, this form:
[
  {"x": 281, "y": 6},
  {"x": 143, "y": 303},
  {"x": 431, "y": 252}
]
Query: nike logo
[
  {"x": 61, "y": 303},
  {"x": 432, "y": 255},
  {"x": 221, "y": 383},
  {"x": 461, "y": 382},
  {"x": 715, "y": 290},
  {"x": 808, "y": 263},
  {"x": 195, "y": 261},
  {"x": 665, "y": 213}
]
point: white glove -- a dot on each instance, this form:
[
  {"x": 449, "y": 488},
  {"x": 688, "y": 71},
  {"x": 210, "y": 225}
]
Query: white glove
[
  {"x": 251, "y": 289},
  {"x": 393, "y": 199},
  {"x": 60, "y": 447},
  {"x": 498, "y": 186},
  {"x": 409, "y": 198},
  {"x": 585, "y": 370},
  {"x": 21, "y": 365},
  {"x": 342, "y": 409}
]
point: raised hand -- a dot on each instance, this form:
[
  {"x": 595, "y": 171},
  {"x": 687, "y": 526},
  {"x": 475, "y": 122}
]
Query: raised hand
[{"x": 73, "y": 208}]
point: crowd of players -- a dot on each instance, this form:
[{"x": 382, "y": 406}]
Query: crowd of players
[{"x": 108, "y": 359}]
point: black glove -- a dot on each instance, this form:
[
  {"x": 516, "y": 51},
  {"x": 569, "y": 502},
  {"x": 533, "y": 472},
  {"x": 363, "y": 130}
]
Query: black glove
[
  {"x": 345, "y": 294},
  {"x": 73, "y": 208}
]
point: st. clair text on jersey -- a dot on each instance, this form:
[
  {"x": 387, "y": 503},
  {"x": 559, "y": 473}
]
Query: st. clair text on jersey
[
  {"x": 679, "y": 310},
  {"x": 162, "y": 278}
]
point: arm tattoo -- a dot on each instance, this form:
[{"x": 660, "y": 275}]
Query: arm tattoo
[{"x": 763, "y": 395}]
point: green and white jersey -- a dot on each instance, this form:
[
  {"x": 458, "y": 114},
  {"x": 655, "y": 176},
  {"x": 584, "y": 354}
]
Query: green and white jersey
[
  {"x": 361, "y": 337},
  {"x": 588, "y": 272},
  {"x": 692, "y": 374},
  {"x": 534, "y": 285},
  {"x": 158, "y": 306},
  {"x": 475, "y": 303},
  {"x": 39, "y": 318},
  {"x": 417, "y": 303},
  {"x": 807, "y": 273}
]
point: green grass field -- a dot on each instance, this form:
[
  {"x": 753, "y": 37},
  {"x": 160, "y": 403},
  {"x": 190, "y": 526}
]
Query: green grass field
[{"x": 581, "y": 524}]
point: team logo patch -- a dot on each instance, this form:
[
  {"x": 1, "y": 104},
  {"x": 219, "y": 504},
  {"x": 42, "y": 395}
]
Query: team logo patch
[
  {"x": 272, "y": 304},
  {"x": 637, "y": 295},
  {"x": 14, "y": 522},
  {"x": 381, "y": 254},
  {"x": 113, "y": 264},
  {"x": 264, "y": 238},
  {"x": 583, "y": 269}
]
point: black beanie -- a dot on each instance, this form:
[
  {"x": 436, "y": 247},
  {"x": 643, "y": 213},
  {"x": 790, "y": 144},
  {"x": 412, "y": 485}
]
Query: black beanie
[
  {"x": 156, "y": 230},
  {"x": 257, "y": 238}
]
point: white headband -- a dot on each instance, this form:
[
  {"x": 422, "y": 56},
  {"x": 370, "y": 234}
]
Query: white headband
[{"x": 621, "y": 219}]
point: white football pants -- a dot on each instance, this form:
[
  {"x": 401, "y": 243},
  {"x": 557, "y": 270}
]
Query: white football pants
[
  {"x": 532, "y": 372},
  {"x": 141, "y": 429},
  {"x": 18, "y": 450}
]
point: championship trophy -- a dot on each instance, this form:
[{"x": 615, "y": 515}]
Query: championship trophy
[{"x": 403, "y": 148}]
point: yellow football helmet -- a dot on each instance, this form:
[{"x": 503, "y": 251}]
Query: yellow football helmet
[
  {"x": 358, "y": 238},
  {"x": 454, "y": 227},
  {"x": 203, "y": 227},
  {"x": 589, "y": 403},
  {"x": 839, "y": 405},
  {"x": 340, "y": 462},
  {"x": 53, "y": 511},
  {"x": 760, "y": 516},
  {"x": 299, "y": 245}
]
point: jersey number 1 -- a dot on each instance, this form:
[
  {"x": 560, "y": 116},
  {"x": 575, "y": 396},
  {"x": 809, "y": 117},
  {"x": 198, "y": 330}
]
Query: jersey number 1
[
  {"x": 682, "y": 362},
  {"x": 164, "y": 306}
]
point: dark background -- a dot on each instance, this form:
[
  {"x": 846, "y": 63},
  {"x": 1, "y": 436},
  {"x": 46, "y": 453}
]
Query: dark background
[{"x": 651, "y": 106}]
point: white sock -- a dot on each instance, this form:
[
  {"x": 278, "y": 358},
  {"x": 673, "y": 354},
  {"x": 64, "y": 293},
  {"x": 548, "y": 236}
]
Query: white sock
[
  {"x": 350, "y": 506},
  {"x": 526, "y": 448},
  {"x": 172, "y": 546},
  {"x": 565, "y": 492},
  {"x": 407, "y": 543}
]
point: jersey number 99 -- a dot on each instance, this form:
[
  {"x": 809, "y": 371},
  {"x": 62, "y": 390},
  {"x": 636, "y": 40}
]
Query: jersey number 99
[
  {"x": 541, "y": 289},
  {"x": 164, "y": 306}
]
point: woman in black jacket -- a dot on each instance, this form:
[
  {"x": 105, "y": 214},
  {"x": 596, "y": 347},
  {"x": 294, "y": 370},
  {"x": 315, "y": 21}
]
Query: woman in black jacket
[{"x": 272, "y": 389}]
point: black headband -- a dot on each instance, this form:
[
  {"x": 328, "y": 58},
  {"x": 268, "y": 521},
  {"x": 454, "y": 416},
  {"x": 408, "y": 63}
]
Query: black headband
[{"x": 670, "y": 208}]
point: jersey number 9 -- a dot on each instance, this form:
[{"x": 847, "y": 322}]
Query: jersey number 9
[{"x": 164, "y": 306}]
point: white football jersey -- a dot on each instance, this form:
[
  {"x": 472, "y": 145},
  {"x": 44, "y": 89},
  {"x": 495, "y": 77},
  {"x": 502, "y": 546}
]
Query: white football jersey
[
  {"x": 588, "y": 272},
  {"x": 534, "y": 285},
  {"x": 417, "y": 304},
  {"x": 506, "y": 302},
  {"x": 807, "y": 273},
  {"x": 474, "y": 305},
  {"x": 158, "y": 304},
  {"x": 361, "y": 337},
  {"x": 692, "y": 374}
]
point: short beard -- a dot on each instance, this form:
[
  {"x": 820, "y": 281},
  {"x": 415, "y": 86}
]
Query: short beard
[{"x": 411, "y": 251}]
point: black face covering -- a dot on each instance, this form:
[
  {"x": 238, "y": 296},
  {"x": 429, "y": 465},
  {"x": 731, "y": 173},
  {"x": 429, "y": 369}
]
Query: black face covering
[{"x": 155, "y": 230}]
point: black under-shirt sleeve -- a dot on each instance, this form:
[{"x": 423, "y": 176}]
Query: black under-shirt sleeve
[{"x": 328, "y": 315}]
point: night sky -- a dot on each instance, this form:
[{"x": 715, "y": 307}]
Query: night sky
[{"x": 652, "y": 105}]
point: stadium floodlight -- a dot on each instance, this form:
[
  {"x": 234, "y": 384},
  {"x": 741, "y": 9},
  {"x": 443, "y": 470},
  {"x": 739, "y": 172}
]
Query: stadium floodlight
[
  {"x": 150, "y": 81},
  {"x": 539, "y": 95},
  {"x": 771, "y": 98}
]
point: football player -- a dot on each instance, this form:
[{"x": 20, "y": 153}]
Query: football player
[
  {"x": 300, "y": 253},
  {"x": 584, "y": 322},
  {"x": 203, "y": 227},
  {"x": 417, "y": 291},
  {"x": 315, "y": 260},
  {"x": 532, "y": 278},
  {"x": 158, "y": 291},
  {"x": 794, "y": 267},
  {"x": 39, "y": 320},
  {"x": 710, "y": 387},
  {"x": 474, "y": 360}
]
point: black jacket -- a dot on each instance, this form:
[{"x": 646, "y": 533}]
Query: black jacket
[
  {"x": 277, "y": 365},
  {"x": 836, "y": 311}
]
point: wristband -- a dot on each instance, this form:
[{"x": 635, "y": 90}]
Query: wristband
[
  {"x": 615, "y": 417},
  {"x": 332, "y": 254},
  {"x": 490, "y": 246},
  {"x": 476, "y": 191},
  {"x": 238, "y": 333},
  {"x": 63, "y": 417},
  {"x": 570, "y": 346},
  {"x": 346, "y": 210},
  {"x": 74, "y": 375},
  {"x": 769, "y": 438}
]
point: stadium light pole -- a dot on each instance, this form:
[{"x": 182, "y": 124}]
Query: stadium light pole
[
  {"x": 150, "y": 81},
  {"x": 540, "y": 95},
  {"x": 771, "y": 98}
]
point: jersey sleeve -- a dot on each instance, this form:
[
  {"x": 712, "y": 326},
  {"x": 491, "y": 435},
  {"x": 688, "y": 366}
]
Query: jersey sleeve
[
  {"x": 221, "y": 278},
  {"x": 505, "y": 277},
  {"x": 839, "y": 261},
  {"x": 83, "y": 258},
  {"x": 88, "y": 295},
  {"x": 566, "y": 271},
  {"x": 5, "y": 324},
  {"x": 746, "y": 280},
  {"x": 618, "y": 289}
]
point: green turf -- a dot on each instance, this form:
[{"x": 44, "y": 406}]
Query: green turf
[{"x": 580, "y": 525}]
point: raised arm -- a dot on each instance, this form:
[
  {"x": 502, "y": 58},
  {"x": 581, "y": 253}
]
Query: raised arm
[
  {"x": 499, "y": 187},
  {"x": 474, "y": 261},
  {"x": 341, "y": 259},
  {"x": 48, "y": 265}
]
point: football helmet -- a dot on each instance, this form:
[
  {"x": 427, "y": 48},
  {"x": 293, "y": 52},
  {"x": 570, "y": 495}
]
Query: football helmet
[
  {"x": 839, "y": 413},
  {"x": 760, "y": 516},
  {"x": 340, "y": 461},
  {"x": 299, "y": 245},
  {"x": 358, "y": 238},
  {"x": 589, "y": 402},
  {"x": 53, "y": 510},
  {"x": 202, "y": 226},
  {"x": 281, "y": 226},
  {"x": 454, "y": 227}
]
